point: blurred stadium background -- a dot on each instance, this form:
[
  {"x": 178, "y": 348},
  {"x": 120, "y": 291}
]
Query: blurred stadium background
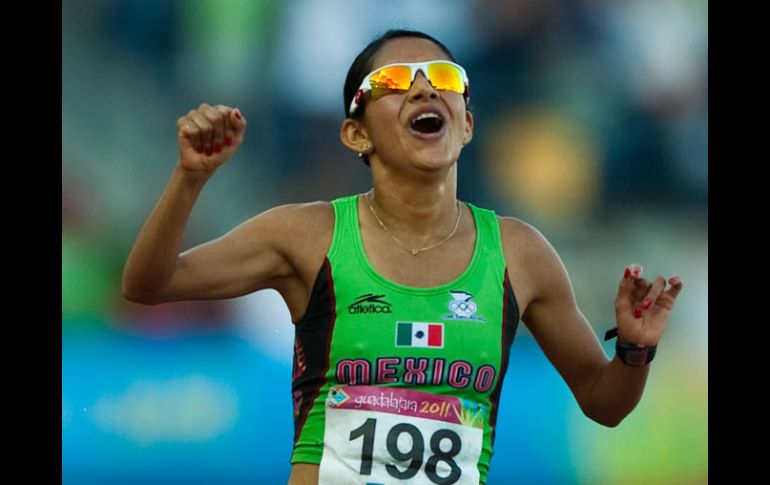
[{"x": 591, "y": 124}]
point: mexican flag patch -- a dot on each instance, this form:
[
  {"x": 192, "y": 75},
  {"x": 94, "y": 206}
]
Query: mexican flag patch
[{"x": 419, "y": 334}]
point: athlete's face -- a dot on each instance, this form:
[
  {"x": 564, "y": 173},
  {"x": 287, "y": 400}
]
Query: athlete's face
[{"x": 388, "y": 120}]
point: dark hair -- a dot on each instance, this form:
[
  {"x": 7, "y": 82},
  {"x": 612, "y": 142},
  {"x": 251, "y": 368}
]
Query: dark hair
[{"x": 362, "y": 65}]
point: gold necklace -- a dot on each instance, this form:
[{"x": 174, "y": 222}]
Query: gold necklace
[{"x": 414, "y": 251}]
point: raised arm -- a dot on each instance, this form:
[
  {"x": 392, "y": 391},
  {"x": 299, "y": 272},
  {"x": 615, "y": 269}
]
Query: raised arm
[
  {"x": 606, "y": 390},
  {"x": 237, "y": 263}
]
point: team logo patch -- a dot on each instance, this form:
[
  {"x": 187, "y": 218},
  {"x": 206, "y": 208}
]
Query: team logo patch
[
  {"x": 336, "y": 397},
  {"x": 462, "y": 307},
  {"x": 420, "y": 334},
  {"x": 370, "y": 303}
]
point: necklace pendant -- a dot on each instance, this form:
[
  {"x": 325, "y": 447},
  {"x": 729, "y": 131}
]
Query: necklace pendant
[{"x": 413, "y": 251}]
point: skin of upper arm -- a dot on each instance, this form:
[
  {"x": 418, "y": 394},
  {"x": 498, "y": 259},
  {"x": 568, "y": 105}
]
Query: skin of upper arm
[
  {"x": 257, "y": 254},
  {"x": 549, "y": 309}
]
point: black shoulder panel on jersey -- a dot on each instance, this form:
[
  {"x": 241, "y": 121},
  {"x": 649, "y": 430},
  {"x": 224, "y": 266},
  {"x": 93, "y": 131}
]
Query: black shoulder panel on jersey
[
  {"x": 312, "y": 338},
  {"x": 510, "y": 323}
]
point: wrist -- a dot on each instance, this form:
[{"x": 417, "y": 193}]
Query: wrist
[
  {"x": 194, "y": 178},
  {"x": 632, "y": 354},
  {"x": 635, "y": 355}
]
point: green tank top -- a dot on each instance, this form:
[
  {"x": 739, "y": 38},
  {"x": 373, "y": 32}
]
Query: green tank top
[{"x": 395, "y": 384}]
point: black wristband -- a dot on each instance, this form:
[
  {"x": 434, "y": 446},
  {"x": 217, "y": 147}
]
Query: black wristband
[
  {"x": 631, "y": 354},
  {"x": 635, "y": 355}
]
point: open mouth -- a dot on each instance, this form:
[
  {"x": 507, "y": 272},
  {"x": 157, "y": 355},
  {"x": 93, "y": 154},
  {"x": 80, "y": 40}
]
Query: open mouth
[{"x": 427, "y": 123}]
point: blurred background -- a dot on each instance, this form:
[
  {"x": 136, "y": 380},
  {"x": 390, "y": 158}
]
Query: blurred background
[{"x": 591, "y": 124}]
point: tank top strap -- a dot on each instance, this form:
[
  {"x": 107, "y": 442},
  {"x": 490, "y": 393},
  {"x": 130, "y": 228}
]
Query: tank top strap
[
  {"x": 488, "y": 228},
  {"x": 345, "y": 225}
]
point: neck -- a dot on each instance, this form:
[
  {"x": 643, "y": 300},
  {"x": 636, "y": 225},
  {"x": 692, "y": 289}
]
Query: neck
[{"x": 416, "y": 206}]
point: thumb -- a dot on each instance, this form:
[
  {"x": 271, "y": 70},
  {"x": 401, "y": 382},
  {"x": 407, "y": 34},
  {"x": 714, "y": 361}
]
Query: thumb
[{"x": 188, "y": 135}]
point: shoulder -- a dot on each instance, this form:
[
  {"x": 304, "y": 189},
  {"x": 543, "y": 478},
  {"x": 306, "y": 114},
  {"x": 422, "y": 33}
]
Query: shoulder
[
  {"x": 521, "y": 239},
  {"x": 534, "y": 267},
  {"x": 295, "y": 225},
  {"x": 301, "y": 233},
  {"x": 304, "y": 209},
  {"x": 304, "y": 215},
  {"x": 292, "y": 218}
]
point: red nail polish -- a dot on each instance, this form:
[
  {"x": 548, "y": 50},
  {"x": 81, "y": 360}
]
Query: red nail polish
[
  {"x": 228, "y": 141},
  {"x": 217, "y": 148},
  {"x": 637, "y": 313},
  {"x": 237, "y": 114},
  {"x": 627, "y": 273},
  {"x": 674, "y": 280},
  {"x": 647, "y": 303}
]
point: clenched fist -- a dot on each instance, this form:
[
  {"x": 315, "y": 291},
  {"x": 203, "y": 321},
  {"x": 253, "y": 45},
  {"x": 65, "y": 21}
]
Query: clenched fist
[{"x": 208, "y": 137}]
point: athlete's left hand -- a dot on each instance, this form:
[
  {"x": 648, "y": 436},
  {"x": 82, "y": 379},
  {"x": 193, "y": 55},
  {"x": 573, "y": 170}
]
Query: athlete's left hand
[{"x": 642, "y": 308}]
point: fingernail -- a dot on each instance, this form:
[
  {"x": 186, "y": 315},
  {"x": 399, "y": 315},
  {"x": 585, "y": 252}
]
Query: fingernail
[
  {"x": 237, "y": 114},
  {"x": 217, "y": 148},
  {"x": 228, "y": 141},
  {"x": 674, "y": 280},
  {"x": 647, "y": 303},
  {"x": 627, "y": 273},
  {"x": 209, "y": 151},
  {"x": 637, "y": 313},
  {"x": 637, "y": 271}
]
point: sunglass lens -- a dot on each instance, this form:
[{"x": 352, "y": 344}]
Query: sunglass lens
[
  {"x": 446, "y": 77},
  {"x": 393, "y": 77}
]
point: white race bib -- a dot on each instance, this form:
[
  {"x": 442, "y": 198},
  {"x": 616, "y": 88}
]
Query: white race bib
[{"x": 384, "y": 435}]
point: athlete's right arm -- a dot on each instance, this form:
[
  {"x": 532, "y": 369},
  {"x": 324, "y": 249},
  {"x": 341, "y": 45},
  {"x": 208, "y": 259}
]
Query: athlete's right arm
[{"x": 239, "y": 262}]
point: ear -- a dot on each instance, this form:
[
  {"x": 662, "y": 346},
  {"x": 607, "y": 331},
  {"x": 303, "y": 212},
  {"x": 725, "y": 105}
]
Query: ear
[
  {"x": 468, "y": 127},
  {"x": 354, "y": 136}
]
